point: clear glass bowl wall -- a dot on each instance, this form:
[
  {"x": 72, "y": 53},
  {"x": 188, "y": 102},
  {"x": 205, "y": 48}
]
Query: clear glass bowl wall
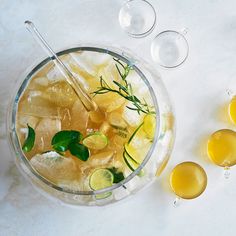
[{"x": 155, "y": 161}]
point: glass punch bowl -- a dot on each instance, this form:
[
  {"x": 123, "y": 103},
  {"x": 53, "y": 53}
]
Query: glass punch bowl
[{"x": 154, "y": 162}]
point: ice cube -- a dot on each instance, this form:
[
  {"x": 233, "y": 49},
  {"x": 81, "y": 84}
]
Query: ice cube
[
  {"x": 52, "y": 71},
  {"x": 81, "y": 81},
  {"x": 90, "y": 61},
  {"x": 54, "y": 75},
  {"x": 44, "y": 70},
  {"x": 132, "y": 117},
  {"x": 86, "y": 67},
  {"x": 139, "y": 87},
  {"x": 22, "y": 134},
  {"x": 73, "y": 185},
  {"x": 45, "y": 130},
  {"x": 115, "y": 119},
  {"x": 56, "y": 168},
  {"x": 79, "y": 117},
  {"x": 77, "y": 70},
  {"x": 65, "y": 116},
  {"x": 99, "y": 160},
  {"x": 37, "y": 106},
  {"x": 23, "y": 120},
  {"x": 34, "y": 93},
  {"x": 42, "y": 81},
  {"x": 24, "y": 131},
  {"x": 116, "y": 144},
  {"x": 105, "y": 127},
  {"x": 117, "y": 160},
  {"x": 137, "y": 83},
  {"x": 61, "y": 94},
  {"x": 109, "y": 73},
  {"x": 109, "y": 101},
  {"x": 38, "y": 83},
  {"x": 140, "y": 139},
  {"x": 83, "y": 76},
  {"x": 97, "y": 116}
]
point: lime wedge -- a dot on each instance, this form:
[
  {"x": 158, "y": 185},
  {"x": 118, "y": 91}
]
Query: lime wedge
[
  {"x": 149, "y": 125},
  {"x": 100, "y": 179},
  {"x": 95, "y": 140}
]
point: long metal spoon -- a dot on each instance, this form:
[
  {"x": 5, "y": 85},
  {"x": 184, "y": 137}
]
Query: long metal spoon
[{"x": 88, "y": 103}]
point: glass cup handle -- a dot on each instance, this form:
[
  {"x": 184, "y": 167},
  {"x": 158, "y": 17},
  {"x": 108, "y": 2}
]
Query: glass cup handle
[
  {"x": 226, "y": 172},
  {"x": 184, "y": 31},
  {"x": 230, "y": 93},
  {"x": 177, "y": 201}
]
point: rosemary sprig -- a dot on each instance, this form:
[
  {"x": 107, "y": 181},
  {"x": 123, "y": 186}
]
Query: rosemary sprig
[{"x": 124, "y": 89}]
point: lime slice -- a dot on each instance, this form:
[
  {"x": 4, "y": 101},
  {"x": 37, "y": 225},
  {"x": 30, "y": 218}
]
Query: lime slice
[
  {"x": 95, "y": 140},
  {"x": 100, "y": 179},
  {"x": 149, "y": 125},
  {"x": 131, "y": 162}
]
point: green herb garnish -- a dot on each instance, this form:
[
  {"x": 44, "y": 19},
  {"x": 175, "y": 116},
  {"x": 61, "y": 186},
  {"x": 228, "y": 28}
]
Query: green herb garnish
[
  {"x": 69, "y": 140},
  {"x": 124, "y": 89},
  {"x": 63, "y": 139},
  {"x": 29, "y": 142},
  {"x": 118, "y": 176},
  {"x": 79, "y": 150}
]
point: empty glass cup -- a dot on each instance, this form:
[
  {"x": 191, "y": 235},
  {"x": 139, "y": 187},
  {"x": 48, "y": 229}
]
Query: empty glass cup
[
  {"x": 170, "y": 48},
  {"x": 137, "y": 18}
]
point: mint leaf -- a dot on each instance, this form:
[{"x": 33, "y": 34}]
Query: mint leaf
[
  {"x": 29, "y": 142},
  {"x": 63, "y": 139},
  {"x": 118, "y": 176},
  {"x": 79, "y": 150}
]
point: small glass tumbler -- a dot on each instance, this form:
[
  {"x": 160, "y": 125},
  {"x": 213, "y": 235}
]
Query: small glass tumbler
[
  {"x": 170, "y": 48},
  {"x": 137, "y": 18}
]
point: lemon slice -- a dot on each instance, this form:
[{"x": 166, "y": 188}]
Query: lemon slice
[
  {"x": 132, "y": 151},
  {"x": 96, "y": 140},
  {"x": 100, "y": 179},
  {"x": 149, "y": 125},
  {"x": 135, "y": 133},
  {"x": 131, "y": 162}
]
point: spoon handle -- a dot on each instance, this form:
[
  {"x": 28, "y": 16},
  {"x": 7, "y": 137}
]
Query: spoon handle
[{"x": 88, "y": 103}]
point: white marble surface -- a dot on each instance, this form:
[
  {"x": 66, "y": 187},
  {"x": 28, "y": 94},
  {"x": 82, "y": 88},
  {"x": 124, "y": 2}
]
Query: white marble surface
[{"x": 197, "y": 90}]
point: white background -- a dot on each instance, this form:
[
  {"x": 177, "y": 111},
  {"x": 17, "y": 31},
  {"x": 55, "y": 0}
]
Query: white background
[{"x": 197, "y": 90}]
